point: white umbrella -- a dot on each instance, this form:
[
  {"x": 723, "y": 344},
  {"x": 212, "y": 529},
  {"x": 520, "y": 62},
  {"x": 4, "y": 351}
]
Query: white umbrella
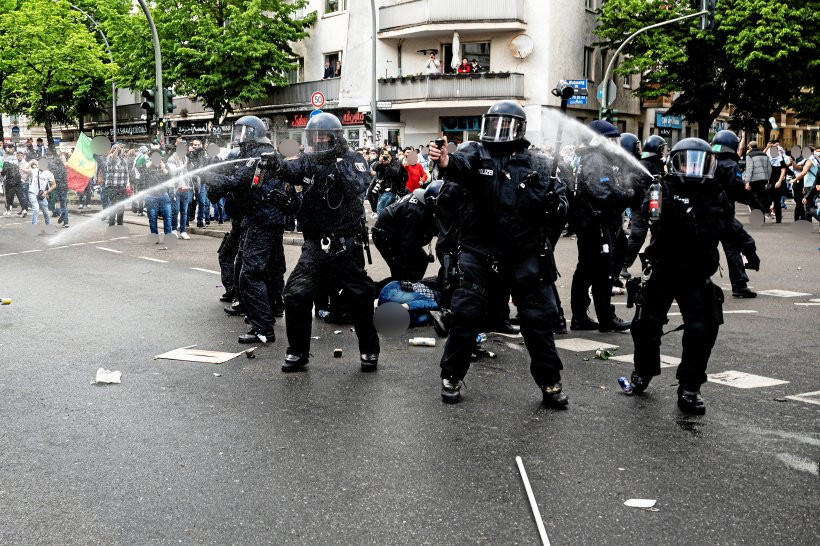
[{"x": 456, "y": 60}]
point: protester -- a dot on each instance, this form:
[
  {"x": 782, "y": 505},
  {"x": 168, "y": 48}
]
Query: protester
[{"x": 41, "y": 185}]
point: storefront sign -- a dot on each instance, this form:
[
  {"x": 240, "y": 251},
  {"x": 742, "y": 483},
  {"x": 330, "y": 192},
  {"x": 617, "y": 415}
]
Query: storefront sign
[
  {"x": 127, "y": 130},
  {"x": 670, "y": 122},
  {"x": 348, "y": 117}
]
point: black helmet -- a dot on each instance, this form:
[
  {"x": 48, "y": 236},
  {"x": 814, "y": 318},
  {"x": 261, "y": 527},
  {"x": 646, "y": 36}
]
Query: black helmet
[
  {"x": 654, "y": 146},
  {"x": 604, "y": 128},
  {"x": 505, "y": 121},
  {"x": 692, "y": 161},
  {"x": 249, "y": 129},
  {"x": 631, "y": 144},
  {"x": 431, "y": 192},
  {"x": 323, "y": 135},
  {"x": 725, "y": 142}
]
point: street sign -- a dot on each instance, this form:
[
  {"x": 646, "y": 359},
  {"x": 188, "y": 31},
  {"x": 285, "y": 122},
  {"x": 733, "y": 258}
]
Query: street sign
[
  {"x": 384, "y": 105},
  {"x": 578, "y": 99},
  {"x": 315, "y": 113},
  {"x": 317, "y": 99},
  {"x": 578, "y": 84},
  {"x": 612, "y": 92},
  {"x": 15, "y": 134}
]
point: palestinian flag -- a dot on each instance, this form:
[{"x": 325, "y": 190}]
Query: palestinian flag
[{"x": 81, "y": 165}]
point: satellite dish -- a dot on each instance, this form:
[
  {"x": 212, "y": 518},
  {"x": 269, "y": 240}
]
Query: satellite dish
[{"x": 521, "y": 46}]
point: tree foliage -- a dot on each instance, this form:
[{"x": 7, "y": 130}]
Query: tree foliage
[
  {"x": 222, "y": 51},
  {"x": 754, "y": 59}
]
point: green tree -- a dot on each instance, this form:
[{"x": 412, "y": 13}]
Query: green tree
[
  {"x": 222, "y": 51},
  {"x": 57, "y": 60},
  {"x": 751, "y": 60}
]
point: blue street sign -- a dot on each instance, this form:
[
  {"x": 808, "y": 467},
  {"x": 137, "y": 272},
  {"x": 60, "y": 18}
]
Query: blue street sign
[
  {"x": 578, "y": 99},
  {"x": 315, "y": 113},
  {"x": 670, "y": 122},
  {"x": 578, "y": 84},
  {"x": 15, "y": 130}
]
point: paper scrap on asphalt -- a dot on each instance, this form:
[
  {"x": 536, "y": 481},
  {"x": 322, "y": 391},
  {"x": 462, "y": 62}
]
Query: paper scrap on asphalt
[
  {"x": 107, "y": 376},
  {"x": 640, "y": 503},
  {"x": 189, "y": 354}
]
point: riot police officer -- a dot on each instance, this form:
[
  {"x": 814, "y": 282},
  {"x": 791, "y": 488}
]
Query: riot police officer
[
  {"x": 725, "y": 145},
  {"x": 652, "y": 159},
  {"x": 402, "y": 231},
  {"x": 509, "y": 203},
  {"x": 261, "y": 276},
  {"x": 331, "y": 214},
  {"x": 601, "y": 196},
  {"x": 695, "y": 214},
  {"x": 229, "y": 248}
]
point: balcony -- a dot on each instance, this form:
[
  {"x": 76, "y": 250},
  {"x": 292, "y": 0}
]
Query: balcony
[
  {"x": 297, "y": 94},
  {"x": 419, "y": 18},
  {"x": 451, "y": 87}
]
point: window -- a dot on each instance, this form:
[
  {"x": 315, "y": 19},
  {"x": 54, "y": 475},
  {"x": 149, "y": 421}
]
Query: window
[
  {"x": 297, "y": 75},
  {"x": 333, "y": 59},
  {"x": 332, "y": 6},
  {"x": 628, "y": 81},
  {"x": 589, "y": 64},
  {"x": 480, "y": 51},
  {"x": 591, "y": 5}
]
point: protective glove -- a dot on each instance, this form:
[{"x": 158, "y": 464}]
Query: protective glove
[
  {"x": 752, "y": 261},
  {"x": 269, "y": 162},
  {"x": 287, "y": 203}
]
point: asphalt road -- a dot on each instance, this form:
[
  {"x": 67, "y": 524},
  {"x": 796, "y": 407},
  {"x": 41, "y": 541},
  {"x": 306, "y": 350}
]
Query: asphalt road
[{"x": 177, "y": 454}]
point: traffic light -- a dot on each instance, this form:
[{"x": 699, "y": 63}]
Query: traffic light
[
  {"x": 168, "y": 101},
  {"x": 148, "y": 101},
  {"x": 368, "y": 123},
  {"x": 707, "y": 20},
  {"x": 609, "y": 114}
]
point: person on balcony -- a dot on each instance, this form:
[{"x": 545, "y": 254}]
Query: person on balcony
[
  {"x": 338, "y": 72},
  {"x": 475, "y": 67},
  {"x": 464, "y": 67},
  {"x": 328, "y": 71},
  {"x": 433, "y": 66}
]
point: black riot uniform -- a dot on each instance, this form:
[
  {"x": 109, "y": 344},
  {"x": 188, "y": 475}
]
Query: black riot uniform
[
  {"x": 509, "y": 200},
  {"x": 729, "y": 176},
  {"x": 652, "y": 159},
  {"x": 601, "y": 196},
  {"x": 401, "y": 232},
  {"x": 331, "y": 215},
  {"x": 679, "y": 261},
  {"x": 261, "y": 275},
  {"x": 229, "y": 248}
]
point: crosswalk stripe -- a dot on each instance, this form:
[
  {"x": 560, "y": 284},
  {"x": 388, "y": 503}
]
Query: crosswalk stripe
[
  {"x": 807, "y": 397},
  {"x": 154, "y": 260},
  {"x": 110, "y": 250},
  {"x": 206, "y": 270},
  {"x": 579, "y": 345},
  {"x": 743, "y": 380}
]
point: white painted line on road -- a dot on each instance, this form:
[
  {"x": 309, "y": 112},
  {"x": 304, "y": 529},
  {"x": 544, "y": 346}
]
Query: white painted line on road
[
  {"x": 782, "y": 293},
  {"x": 729, "y": 312},
  {"x": 96, "y": 242},
  {"x": 118, "y": 238},
  {"x": 666, "y": 361},
  {"x": 76, "y": 244},
  {"x": 154, "y": 260},
  {"x": 804, "y": 304},
  {"x": 815, "y": 300},
  {"x": 624, "y": 303},
  {"x": 29, "y": 251},
  {"x": 579, "y": 344},
  {"x": 56, "y": 247},
  {"x": 9, "y": 254},
  {"x": 807, "y": 397},
  {"x": 799, "y": 463},
  {"x": 743, "y": 380},
  {"x": 534, "y": 505},
  {"x": 206, "y": 270},
  {"x": 110, "y": 250}
]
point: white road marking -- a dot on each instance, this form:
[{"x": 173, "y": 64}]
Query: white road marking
[
  {"x": 206, "y": 270},
  {"x": 56, "y": 247},
  {"x": 9, "y": 254},
  {"x": 76, "y": 244},
  {"x": 514, "y": 346},
  {"x": 807, "y": 397},
  {"x": 28, "y": 251},
  {"x": 782, "y": 293},
  {"x": 154, "y": 260},
  {"x": 815, "y": 300},
  {"x": 110, "y": 250},
  {"x": 728, "y": 312},
  {"x": 804, "y": 304},
  {"x": 743, "y": 380},
  {"x": 666, "y": 361},
  {"x": 96, "y": 242},
  {"x": 799, "y": 463},
  {"x": 580, "y": 345},
  {"x": 118, "y": 238}
]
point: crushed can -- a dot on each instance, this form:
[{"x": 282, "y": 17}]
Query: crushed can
[
  {"x": 422, "y": 342},
  {"x": 625, "y": 384}
]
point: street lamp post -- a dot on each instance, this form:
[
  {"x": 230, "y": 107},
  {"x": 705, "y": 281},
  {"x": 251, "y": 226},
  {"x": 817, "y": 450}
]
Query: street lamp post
[
  {"x": 373, "y": 90},
  {"x": 159, "y": 101},
  {"x": 96, "y": 26}
]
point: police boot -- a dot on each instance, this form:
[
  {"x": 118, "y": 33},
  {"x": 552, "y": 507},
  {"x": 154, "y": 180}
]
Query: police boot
[
  {"x": 614, "y": 324},
  {"x": 369, "y": 362},
  {"x": 505, "y": 328},
  {"x": 639, "y": 383},
  {"x": 554, "y": 396},
  {"x": 625, "y": 274},
  {"x": 582, "y": 323},
  {"x": 451, "y": 390},
  {"x": 690, "y": 400},
  {"x": 744, "y": 292},
  {"x": 559, "y": 325},
  {"x": 441, "y": 321},
  {"x": 256, "y": 337},
  {"x": 294, "y": 362},
  {"x": 235, "y": 309},
  {"x": 226, "y": 297}
]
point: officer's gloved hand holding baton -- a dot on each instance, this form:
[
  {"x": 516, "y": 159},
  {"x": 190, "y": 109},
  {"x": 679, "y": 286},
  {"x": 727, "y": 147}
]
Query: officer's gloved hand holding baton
[{"x": 438, "y": 153}]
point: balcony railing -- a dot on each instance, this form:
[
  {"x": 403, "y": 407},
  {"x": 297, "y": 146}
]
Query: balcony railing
[
  {"x": 425, "y": 12},
  {"x": 444, "y": 87},
  {"x": 298, "y": 93}
]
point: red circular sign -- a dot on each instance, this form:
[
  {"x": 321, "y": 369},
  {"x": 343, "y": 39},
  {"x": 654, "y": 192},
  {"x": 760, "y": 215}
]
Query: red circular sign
[{"x": 317, "y": 99}]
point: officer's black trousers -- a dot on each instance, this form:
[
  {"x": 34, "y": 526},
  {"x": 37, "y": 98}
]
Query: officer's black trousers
[
  {"x": 637, "y": 236},
  {"x": 536, "y": 310},
  {"x": 227, "y": 255},
  {"x": 317, "y": 271},
  {"x": 593, "y": 269},
  {"x": 405, "y": 265},
  {"x": 261, "y": 278},
  {"x": 701, "y": 304}
]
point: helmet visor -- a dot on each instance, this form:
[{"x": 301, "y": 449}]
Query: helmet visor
[
  {"x": 692, "y": 164},
  {"x": 242, "y": 133},
  {"x": 322, "y": 140},
  {"x": 502, "y": 128}
]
